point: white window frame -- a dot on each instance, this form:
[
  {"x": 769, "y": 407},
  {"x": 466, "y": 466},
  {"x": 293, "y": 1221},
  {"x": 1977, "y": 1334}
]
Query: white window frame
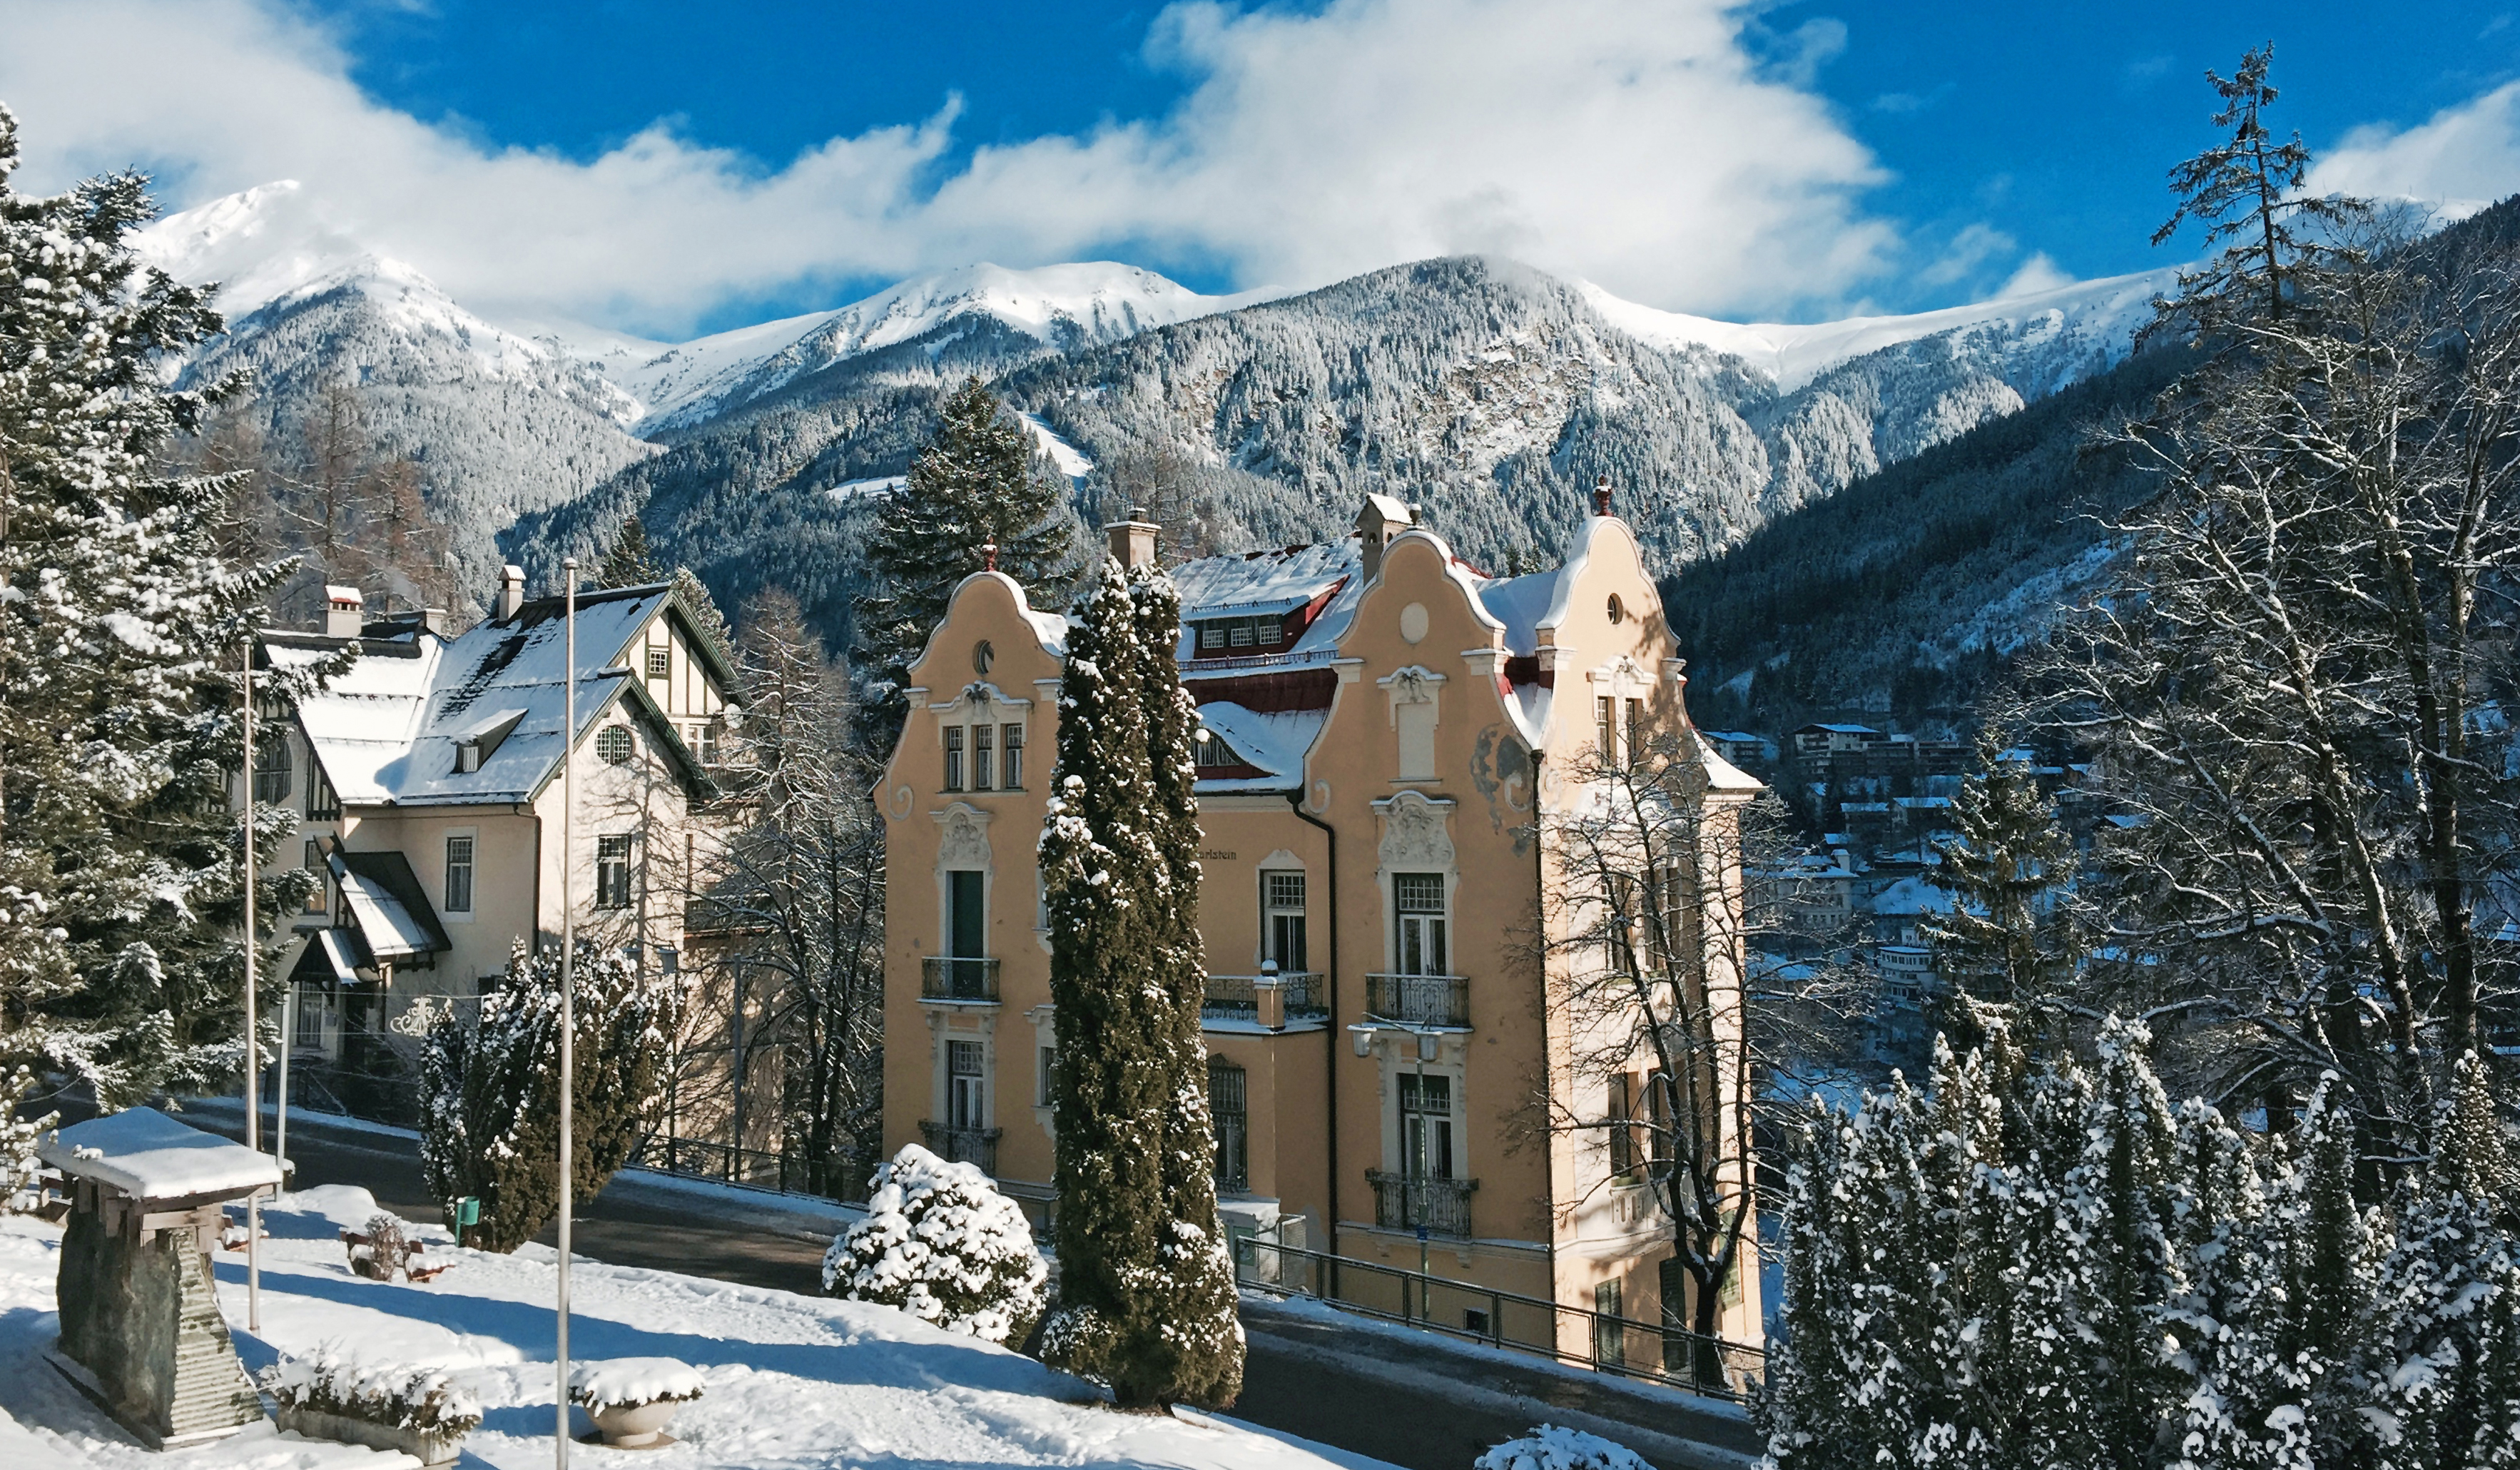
[{"x": 446, "y": 910}]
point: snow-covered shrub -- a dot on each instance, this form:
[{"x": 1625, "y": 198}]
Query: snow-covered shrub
[
  {"x": 940, "y": 1243},
  {"x": 383, "y": 1251},
  {"x": 633, "y": 1381},
  {"x": 407, "y": 1395},
  {"x": 489, "y": 1123},
  {"x": 1549, "y": 1448}
]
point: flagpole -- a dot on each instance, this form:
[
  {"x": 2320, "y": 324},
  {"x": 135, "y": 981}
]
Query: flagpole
[
  {"x": 253, "y": 1039},
  {"x": 568, "y": 978}
]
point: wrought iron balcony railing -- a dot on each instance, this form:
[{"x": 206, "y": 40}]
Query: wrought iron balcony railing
[
  {"x": 1239, "y": 995},
  {"x": 1406, "y": 1202},
  {"x": 1419, "y": 999},
  {"x": 961, "y": 1145},
  {"x": 945, "y": 977}
]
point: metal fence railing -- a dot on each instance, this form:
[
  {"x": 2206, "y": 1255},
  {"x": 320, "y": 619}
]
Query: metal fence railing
[
  {"x": 1239, "y": 995},
  {"x": 946, "y": 977},
  {"x": 1407, "y": 1201},
  {"x": 1655, "y": 1354},
  {"x": 1419, "y": 999}
]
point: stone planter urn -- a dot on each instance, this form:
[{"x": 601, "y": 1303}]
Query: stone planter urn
[
  {"x": 634, "y": 1426},
  {"x": 433, "y": 1447},
  {"x": 632, "y": 1400}
]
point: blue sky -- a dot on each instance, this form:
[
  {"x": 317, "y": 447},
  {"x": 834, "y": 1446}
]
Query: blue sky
[{"x": 665, "y": 168}]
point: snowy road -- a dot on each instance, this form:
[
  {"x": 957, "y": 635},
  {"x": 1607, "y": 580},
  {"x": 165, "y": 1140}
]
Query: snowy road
[{"x": 1420, "y": 1408}]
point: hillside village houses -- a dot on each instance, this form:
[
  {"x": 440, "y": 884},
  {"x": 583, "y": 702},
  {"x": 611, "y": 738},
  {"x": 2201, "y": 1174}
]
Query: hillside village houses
[
  {"x": 1387, "y": 733},
  {"x": 427, "y": 783}
]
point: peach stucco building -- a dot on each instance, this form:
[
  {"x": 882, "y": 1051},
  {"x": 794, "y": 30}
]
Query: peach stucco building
[{"x": 1385, "y": 732}]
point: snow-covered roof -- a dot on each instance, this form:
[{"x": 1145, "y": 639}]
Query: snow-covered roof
[
  {"x": 1277, "y": 581},
  {"x": 1722, "y": 774},
  {"x": 1913, "y": 896},
  {"x": 386, "y": 731},
  {"x": 1520, "y": 603},
  {"x": 387, "y": 906},
  {"x": 1276, "y": 743},
  {"x": 150, "y": 1156}
]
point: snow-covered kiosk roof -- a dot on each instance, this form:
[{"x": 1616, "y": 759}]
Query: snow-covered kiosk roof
[{"x": 144, "y": 1154}]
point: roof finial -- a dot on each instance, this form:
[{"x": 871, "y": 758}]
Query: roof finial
[
  {"x": 1601, "y": 496},
  {"x": 989, "y": 556}
]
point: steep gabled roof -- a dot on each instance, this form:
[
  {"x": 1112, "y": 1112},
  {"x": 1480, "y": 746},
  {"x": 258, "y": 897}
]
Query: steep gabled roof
[{"x": 386, "y": 731}]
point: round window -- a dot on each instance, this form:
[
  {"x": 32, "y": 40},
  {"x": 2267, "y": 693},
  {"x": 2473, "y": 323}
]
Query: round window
[
  {"x": 982, "y": 655},
  {"x": 613, "y": 743},
  {"x": 1618, "y": 609}
]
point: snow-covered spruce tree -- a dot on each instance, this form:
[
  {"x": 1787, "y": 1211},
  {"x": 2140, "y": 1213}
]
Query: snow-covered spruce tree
[
  {"x": 973, "y": 485},
  {"x": 627, "y": 562},
  {"x": 939, "y": 1242},
  {"x": 490, "y": 1089},
  {"x": 2449, "y": 1383},
  {"x": 2009, "y": 936},
  {"x": 1136, "y": 1272},
  {"x": 121, "y": 629}
]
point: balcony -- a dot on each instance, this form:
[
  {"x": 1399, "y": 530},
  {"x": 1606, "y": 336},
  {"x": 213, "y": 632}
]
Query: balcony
[
  {"x": 1404, "y": 1202},
  {"x": 961, "y": 1145},
  {"x": 1419, "y": 999},
  {"x": 944, "y": 976},
  {"x": 1239, "y": 995}
]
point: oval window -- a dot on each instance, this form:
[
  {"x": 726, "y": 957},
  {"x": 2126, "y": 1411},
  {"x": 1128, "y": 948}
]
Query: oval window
[
  {"x": 1618, "y": 609},
  {"x": 982, "y": 655},
  {"x": 613, "y": 743}
]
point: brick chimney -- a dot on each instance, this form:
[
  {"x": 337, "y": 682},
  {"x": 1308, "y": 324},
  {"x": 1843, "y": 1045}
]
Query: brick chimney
[
  {"x": 344, "y": 612},
  {"x": 512, "y": 590},
  {"x": 1133, "y": 541}
]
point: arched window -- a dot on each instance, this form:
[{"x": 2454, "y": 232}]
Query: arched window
[{"x": 1227, "y": 1105}]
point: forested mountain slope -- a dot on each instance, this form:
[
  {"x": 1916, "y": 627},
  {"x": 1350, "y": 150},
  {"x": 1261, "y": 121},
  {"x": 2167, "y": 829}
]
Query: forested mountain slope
[{"x": 1491, "y": 394}]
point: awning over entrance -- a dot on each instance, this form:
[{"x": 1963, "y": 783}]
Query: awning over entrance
[
  {"x": 393, "y": 916},
  {"x": 331, "y": 955}
]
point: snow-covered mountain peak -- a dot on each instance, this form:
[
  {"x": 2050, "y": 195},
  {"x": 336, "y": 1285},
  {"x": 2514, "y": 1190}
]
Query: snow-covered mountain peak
[
  {"x": 2105, "y": 312},
  {"x": 267, "y": 242},
  {"x": 1064, "y": 306}
]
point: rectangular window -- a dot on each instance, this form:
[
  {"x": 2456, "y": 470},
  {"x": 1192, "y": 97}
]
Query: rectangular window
[
  {"x": 704, "y": 743},
  {"x": 1427, "y": 1125},
  {"x": 1049, "y": 1077},
  {"x": 1636, "y": 730},
  {"x": 1013, "y": 745},
  {"x": 612, "y": 872},
  {"x": 965, "y": 1090},
  {"x": 1241, "y": 630},
  {"x": 1609, "y": 1336},
  {"x": 1268, "y": 632},
  {"x": 459, "y": 875},
  {"x": 308, "y": 1034},
  {"x": 1673, "y": 1279},
  {"x": 1230, "y": 1112},
  {"x": 1284, "y": 896},
  {"x": 1419, "y": 898},
  {"x": 271, "y": 773},
  {"x": 1623, "y": 1140},
  {"x": 1658, "y": 1117},
  {"x": 952, "y": 757},
  {"x": 319, "y": 899},
  {"x": 1605, "y": 732},
  {"x": 661, "y": 662},
  {"x": 1211, "y": 635},
  {"x": 984, "y": 757}
]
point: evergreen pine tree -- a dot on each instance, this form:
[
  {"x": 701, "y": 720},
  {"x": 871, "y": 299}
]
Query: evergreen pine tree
[
  {"x": 2327, "y": 1252},
  {"x": 1137, "y": 1306},
  {"x": 2009, "y": 936},
  {"x": 1806, "y": 1413},
  {"x": 121, "y": 630},
  {"x": 941, "y": 1243},
  {"x": 2122, "y": 1203},
  {"x": 489, "y": 1125},
  {"x": 628, "y": 563},
  {"x": 972, "y": 486}
]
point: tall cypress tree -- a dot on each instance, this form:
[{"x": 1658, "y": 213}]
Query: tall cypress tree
[
  {"x": 973, "y": 485},
  {"x": 1146, "y": 1299},
  {"x": 629, "y": 563}
]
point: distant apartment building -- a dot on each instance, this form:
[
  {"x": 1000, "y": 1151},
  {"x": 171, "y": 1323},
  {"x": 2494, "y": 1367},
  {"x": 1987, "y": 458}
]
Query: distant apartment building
[
  {"x": 1384, "y": 730},
  {"x": 426, "y": 780}
]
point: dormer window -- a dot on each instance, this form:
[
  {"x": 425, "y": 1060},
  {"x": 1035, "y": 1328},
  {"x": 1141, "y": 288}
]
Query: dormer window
[{"x": 1231, "y": 636}]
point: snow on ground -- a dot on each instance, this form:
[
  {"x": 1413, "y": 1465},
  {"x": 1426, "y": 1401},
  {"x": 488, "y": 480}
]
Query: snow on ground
[{"x": 791, "y": 1382}]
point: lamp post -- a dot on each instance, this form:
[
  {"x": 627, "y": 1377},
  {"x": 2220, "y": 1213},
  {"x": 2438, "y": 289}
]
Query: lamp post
[
  {"x": 568, "y": 978},
  {"x": 253, "y": 1040}
]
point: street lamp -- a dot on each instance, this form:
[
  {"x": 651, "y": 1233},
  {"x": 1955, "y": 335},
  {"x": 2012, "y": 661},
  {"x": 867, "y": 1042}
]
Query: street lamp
[{"x": 568, "y": 978}]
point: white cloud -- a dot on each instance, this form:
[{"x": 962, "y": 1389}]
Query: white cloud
[
  {"x": 1637, "y": 143},
  {"x": 2460, "y": 160},
  {"x": 2037, "y": 274}
]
